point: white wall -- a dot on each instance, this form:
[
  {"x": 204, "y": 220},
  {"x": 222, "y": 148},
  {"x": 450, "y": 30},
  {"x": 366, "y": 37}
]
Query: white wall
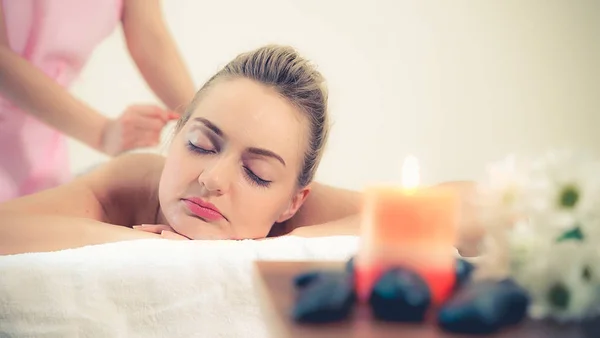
[{"x": 457, "y": 83}]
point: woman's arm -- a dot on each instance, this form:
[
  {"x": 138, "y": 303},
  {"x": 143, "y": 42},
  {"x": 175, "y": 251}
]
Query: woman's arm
[
  {"x": 152, "y": 48},
  {"x": 330, "y": 211},
  {"x": 21, "y": 233},
  {"x": 326, "y": 204},
  {"x": 86, "y": 210},
  {"x": 347, "y": 226}
]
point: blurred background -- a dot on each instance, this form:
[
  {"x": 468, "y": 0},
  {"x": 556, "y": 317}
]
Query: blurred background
[{"x": 456, "y": 83}]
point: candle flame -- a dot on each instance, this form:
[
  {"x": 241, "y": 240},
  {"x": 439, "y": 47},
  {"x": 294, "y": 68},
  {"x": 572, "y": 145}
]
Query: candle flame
[{"x": 410, "y": 173}]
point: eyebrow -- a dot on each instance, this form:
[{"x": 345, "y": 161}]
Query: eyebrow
[
  {"x": 253, "y": 150},
  {"x": 210, "y": 125},
  {"x": 268, "y": 153}
]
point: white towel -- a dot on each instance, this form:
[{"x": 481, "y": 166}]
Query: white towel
[{"x": 148, "y": 288}]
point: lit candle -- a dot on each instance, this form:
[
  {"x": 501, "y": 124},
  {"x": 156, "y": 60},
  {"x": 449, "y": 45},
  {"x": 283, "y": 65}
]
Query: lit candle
[{"x": 408, "y": 227}]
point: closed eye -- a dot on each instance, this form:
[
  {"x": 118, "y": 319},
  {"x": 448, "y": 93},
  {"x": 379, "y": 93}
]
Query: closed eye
[
  {"x": 255, "y": 179},
  {"x": 248, "y": 173},
  {"x": 199, "y": 150}
]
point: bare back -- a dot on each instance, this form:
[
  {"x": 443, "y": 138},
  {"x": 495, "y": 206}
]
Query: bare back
[{"x": 123, "y": 192}]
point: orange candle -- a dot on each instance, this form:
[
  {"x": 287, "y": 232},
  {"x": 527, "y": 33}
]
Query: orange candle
[{"x": 408, "y": 227}]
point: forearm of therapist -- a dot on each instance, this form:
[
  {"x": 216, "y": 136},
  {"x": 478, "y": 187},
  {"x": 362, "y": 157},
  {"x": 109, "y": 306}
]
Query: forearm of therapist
[
  {"x": 21, "y": 233},
  {"x": 35, "y": 93},
  {"x": 155, "y": 53}
]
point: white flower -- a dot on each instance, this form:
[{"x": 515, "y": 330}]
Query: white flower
[
  {"x": 543, "y": 230},
  {"x": 562, "y": 281},
  {"x": 497, "y": 205},
  {"x": 498, "y": 201},
  {"x": 525, "y": 245},
  {"x": 508, "y": 250},
  {"x": 502, "y": 190},
  {"x": 563, "y": 193}
]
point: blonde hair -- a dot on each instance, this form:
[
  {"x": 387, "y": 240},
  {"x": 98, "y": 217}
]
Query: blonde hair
[{"x": 295, "y": 79}]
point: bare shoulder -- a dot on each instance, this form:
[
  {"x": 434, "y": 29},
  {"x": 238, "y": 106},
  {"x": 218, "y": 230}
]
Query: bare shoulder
[
  {"x": 130, "y": 165},
  {"x": 123, "y": 191},
  {"x": 127, "y": 187}
]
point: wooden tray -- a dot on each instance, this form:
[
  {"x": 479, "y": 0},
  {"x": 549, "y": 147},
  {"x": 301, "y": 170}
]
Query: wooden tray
[{"x": 275, "y": 281}]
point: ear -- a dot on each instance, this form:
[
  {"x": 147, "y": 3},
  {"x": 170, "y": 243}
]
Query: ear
[{"x": 295, "y": 204}]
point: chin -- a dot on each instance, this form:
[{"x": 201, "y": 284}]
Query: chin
[{"x": 195, "y": 228}]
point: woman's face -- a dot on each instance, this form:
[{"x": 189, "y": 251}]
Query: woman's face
[{"x": 231, "y": 170}]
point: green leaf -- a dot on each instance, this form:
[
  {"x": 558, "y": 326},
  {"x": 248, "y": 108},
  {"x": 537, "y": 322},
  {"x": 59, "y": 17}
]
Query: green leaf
[{"x": 573, "y": 234}]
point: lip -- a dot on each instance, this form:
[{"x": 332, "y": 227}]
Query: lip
[{"x": 203, "y": 209}]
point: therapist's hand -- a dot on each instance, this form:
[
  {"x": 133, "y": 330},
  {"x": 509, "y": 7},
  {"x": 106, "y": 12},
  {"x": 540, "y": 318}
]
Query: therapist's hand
[{"x": 138, "y": 127}]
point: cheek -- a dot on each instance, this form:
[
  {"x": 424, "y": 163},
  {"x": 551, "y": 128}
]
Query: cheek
[
  {"x": 180, "y": 169},
  {"x": 167, "y": 185},
  {"x": 259, "y": 210}
]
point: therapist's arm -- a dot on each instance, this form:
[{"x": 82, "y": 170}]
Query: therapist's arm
[
  {"x": 35, "y": 93},
  {"x": 155, "y": 53}
]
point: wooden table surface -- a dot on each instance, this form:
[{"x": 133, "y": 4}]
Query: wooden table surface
[{"x": 275, "y": 280}]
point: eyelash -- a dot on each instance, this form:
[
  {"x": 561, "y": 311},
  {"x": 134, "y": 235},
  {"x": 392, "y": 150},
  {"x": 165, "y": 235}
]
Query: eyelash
[
  {"x": 199, "y": 150},
  {"x": 251, "y": 176}
]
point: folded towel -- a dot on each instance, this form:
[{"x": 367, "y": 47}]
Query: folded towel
[{"x": 148, "y": 288}]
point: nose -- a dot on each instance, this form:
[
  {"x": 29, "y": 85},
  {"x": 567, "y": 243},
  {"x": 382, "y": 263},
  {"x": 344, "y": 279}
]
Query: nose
[{"x": 217, "y": 176}]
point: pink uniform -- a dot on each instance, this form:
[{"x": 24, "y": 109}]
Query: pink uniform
[{"x": 57, "y": 37}]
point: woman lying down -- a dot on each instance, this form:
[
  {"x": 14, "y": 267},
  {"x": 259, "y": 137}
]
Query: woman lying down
[{"x": 240, "y": 166}]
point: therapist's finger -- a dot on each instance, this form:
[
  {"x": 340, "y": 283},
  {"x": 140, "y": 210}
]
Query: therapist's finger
[
  {"x": 174, "y": 116},
  {"x": 148, "y": 124},
  {"x": 149, "y": 111}
]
